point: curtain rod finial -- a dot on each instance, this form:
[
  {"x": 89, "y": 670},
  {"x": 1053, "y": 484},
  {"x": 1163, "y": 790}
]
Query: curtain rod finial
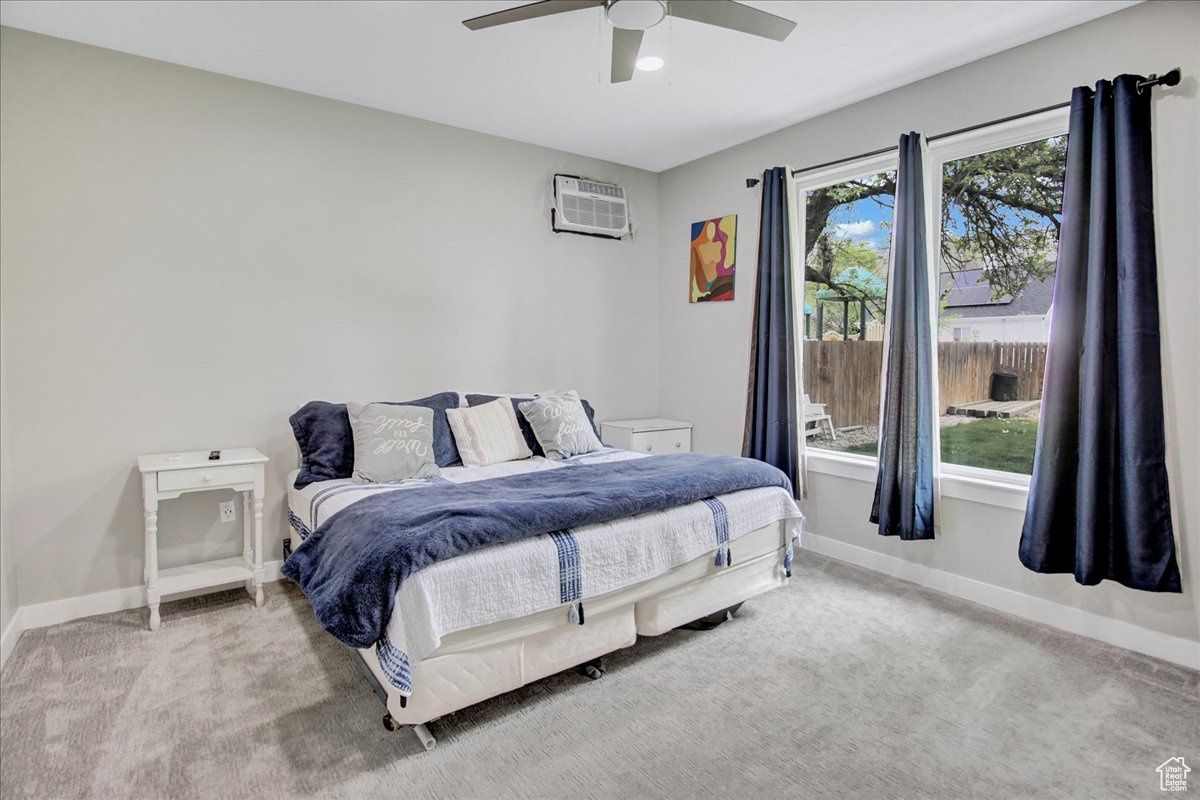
[
  {"x": 1169, "y": 78},
  {"x": 751, "y": 183}
]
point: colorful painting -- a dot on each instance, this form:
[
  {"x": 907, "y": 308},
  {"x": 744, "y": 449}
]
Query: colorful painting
[{"x": 713, "y": 255}]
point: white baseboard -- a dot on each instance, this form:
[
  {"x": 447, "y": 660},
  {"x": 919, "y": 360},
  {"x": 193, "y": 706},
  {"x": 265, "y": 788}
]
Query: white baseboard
[
  {"x": 39, "y": 615},
  {"x": 8, "y": 639},
  {"x": 1074, "y": 620}
]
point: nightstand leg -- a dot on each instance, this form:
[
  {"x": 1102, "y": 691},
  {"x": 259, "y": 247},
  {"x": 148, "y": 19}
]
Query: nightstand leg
[
  {"x": 152, "y": 594},
  {"x": 246, "y": 525},
  {"x": 247, "y": 553},
  {"x": 258, "y": 558}
]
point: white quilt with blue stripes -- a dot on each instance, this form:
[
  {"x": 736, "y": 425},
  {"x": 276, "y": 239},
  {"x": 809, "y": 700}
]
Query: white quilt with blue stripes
[{"x": 560, "y": 569}]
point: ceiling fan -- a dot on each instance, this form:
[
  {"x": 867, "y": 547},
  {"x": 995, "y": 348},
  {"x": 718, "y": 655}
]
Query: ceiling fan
[{"x": 631, "y": 18}]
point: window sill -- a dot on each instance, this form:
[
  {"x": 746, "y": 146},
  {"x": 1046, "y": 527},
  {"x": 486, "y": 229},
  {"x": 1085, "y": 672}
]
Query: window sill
[{"x": 973, "y": 485}]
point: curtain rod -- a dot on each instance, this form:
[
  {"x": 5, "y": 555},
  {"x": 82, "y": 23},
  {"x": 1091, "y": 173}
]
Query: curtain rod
[{"x": 1167, "y": 79}]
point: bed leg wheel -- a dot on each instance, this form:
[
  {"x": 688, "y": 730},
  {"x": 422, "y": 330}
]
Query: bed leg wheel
[
  {"x": 390, "y": 723},
  {"x": 426, "y": 738},
  {"x": 593, "y": 669},
  {"x": 713, "y": 620}
]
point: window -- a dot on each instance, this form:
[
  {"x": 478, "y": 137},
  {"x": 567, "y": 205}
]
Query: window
[
  {"x": 998, "y": 194},
  {"x": 1000, "y": 214},
  {"x": 847, "y": 232}
]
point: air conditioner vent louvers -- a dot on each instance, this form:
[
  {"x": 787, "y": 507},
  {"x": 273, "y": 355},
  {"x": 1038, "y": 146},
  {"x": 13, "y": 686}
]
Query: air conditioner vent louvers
[
  {"x": 601, "y": 188},
  {"x": 583, "y": 206}
]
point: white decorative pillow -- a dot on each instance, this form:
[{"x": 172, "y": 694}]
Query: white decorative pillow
[
  {"x": 560, "y": 425},
  {"x": 391, "y": 443},
  {"x": 488, "y": 433}
]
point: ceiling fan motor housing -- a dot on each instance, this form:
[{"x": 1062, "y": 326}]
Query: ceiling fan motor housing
[{"x": 635, "y": 15}]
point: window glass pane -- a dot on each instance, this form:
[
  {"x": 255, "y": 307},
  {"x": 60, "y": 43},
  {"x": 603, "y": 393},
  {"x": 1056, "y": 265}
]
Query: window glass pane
[
  {"x": 848, "y": 236},
  {"x": 1000, "y": 222}
]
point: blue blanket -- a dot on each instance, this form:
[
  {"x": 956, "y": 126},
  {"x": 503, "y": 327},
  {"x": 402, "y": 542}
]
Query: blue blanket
[{"x": 352, "y": 566}]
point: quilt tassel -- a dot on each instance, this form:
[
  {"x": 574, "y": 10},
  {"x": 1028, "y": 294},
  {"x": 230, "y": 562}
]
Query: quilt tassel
[
  {"x": 787, "y": 560},
  {"x": 721, "y": 522},
  {"x": 575, "y": 614}
]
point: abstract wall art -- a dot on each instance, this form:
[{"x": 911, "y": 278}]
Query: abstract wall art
[{"x": 713, "y": 255}]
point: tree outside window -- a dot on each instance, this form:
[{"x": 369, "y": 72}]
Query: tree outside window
[{"x": 1000, "y": 218}]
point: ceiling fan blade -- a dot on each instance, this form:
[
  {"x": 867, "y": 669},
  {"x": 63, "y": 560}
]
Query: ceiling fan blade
[
  {"x": 732, "y": 15},
  {"x": 626, "y": 44},
  {"x": 531, "y": 11}
]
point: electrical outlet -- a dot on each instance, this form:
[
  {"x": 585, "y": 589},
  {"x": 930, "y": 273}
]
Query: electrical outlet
[{"x": 228, "y": 511}]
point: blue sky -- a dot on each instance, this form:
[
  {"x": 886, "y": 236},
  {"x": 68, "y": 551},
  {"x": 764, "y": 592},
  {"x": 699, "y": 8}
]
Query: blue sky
[
  {"x": 864, "y": 221},
  {"x": 869, "y": 222}
]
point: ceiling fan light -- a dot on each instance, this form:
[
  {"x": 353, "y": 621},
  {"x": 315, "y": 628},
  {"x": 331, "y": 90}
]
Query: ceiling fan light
[
  {"x": 650, "y": 63},
  {"x": 635, "y": 15}
]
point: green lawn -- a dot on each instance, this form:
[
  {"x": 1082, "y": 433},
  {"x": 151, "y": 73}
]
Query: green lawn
[{"x": 1003, "y": 444}]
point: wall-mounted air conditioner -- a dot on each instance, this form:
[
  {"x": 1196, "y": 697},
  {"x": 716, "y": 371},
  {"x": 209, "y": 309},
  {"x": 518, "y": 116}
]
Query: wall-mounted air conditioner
[{"x": 589, "y": 207}]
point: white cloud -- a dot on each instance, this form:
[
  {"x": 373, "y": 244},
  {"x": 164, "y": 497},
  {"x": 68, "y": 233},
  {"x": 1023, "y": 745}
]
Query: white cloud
[{"x": 853, "y": 230}]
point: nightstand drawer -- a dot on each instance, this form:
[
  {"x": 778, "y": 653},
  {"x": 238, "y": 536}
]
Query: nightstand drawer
[
  {"x": 654, "y": 435},
  {"x": 662, "y": 442},
  {"x": 174, "y": 480}
]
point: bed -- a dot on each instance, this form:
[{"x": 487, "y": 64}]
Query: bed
[{"x": 463, "y": 629}]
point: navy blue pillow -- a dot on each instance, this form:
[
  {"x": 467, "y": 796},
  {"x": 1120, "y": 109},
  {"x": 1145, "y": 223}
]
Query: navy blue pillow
[
  {"x": 526, "y": 429},
  {"x": 327, "y": 442}
]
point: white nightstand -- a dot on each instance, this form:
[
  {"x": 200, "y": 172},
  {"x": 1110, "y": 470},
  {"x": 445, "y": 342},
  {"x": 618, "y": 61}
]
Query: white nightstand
[
  {"x": 656, "y": 436},
  {"x": 169, "y": 475}
]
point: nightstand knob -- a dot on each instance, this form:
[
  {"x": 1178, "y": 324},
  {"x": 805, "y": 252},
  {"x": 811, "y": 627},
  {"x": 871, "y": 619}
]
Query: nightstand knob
[
  {"x": 649, "y": 448},
  {"x": 679, "y": 444},
  {"x": 208, "y": 478}
]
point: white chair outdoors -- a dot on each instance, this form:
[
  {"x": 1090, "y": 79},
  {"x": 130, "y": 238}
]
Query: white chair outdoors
[{"x": 814, "y": 414}]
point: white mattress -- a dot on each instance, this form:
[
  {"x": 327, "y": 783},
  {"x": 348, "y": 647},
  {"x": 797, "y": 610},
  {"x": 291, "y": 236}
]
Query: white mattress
[
  {"x": 519, "y": 579},
  {"x": 475, "y": 664}
]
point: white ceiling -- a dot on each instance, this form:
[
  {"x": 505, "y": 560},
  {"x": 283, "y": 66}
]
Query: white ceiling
[{"x": 545, "y": 81}]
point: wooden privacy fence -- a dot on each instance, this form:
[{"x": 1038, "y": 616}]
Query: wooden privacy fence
[
  {"x": 844, "y": 375},
  {"x": 965, "y": 369}
]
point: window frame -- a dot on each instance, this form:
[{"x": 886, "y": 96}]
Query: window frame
[
  {"x": 993, "y": 487},
  {"x": 819, "y": 179}
]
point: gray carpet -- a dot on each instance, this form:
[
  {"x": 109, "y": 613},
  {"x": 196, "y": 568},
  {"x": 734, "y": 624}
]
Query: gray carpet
[{"x": 845, "y": 684}]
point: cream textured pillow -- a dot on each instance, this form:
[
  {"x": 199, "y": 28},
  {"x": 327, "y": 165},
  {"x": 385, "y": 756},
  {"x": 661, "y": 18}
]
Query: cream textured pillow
[
  {"x": 391, "y": 443},
  {"x": 487, "y": 434},
  {"x": 561, "y": 425}
]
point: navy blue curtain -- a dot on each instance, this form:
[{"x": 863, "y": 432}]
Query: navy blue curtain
[
  {"x": 1099, "y": 506},
  {"x": 772, "y": 404},
  {"x": 904, "y": 485}
]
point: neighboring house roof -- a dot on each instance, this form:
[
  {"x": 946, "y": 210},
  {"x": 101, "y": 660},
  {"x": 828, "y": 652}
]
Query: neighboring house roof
[{"x": 968, "y": 294}]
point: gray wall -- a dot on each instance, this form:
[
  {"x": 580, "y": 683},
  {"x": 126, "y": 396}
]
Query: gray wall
[
  {"x": 705, "y": 348},
  {"x": 188, "y": 257}
]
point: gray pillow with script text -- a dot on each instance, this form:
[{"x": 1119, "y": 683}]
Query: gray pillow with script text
[
  {"x": 561, "y": 425},
  {"x": 391, "y": 443}
]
